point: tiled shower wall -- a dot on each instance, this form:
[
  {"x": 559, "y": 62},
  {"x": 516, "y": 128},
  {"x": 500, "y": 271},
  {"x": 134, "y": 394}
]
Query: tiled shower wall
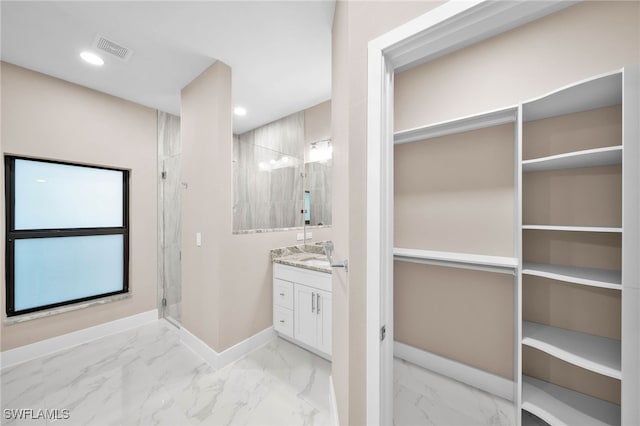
[
  {"x": 267, "y": 181},
  {"x": 318, "y": 182},
  {"x": 169, "y": 214}
]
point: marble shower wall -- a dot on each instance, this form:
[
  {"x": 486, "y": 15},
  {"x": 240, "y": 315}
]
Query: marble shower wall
[
  {"x": 169, "y": 214},
  {"x": 318, "y": 182},
  {"x": 267, "y": 181}
]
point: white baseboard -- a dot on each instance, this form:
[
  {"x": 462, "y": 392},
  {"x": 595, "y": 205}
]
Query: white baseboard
[
  {"x": 304, "y": 346},
  {"x": 333, "y": 403},
  {"x": 229, "y": 355},
  {"x": 249, "y": 344},
  {"x": 48, "y": 346},
  {"x": 464, "y": 373},
  {"x": 199, "y": 347}
]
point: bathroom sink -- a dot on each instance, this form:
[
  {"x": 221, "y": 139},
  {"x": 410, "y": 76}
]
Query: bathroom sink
[
  {"x": 307, "y": 258},
  {"x": 314, "y": 261}
]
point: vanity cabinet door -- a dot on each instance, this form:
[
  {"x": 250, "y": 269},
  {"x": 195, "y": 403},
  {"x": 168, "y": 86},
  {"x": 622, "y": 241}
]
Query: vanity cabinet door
[
  {"x": 323, "y": 311},
  {"x": 305, "y": 323}
]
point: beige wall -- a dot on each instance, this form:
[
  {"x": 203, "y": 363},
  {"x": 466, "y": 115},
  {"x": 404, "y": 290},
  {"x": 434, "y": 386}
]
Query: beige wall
[
  {"x": 591, "y": 129},
  {"x": 577, "y": 307},
  {"x": 48, "y": 118},
  {"x": 205, "y": 127},
  {"x": 227, "y": 282},
  {"x": 355, "y": 24},
  {"x": 460, "y": 314},
  {"x": 340, "y": 214},
  {"x": 317, "y": 122},
  {"x": 446, "y": 199},
  {"x": 581, "y": 41}
]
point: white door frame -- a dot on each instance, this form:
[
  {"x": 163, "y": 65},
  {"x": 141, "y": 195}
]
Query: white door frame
[{"x": 452, "y": 26}]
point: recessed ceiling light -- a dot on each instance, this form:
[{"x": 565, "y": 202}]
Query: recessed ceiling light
[
  {"x": 240, "y": 111},
  {"x": 92, "y": 58}
]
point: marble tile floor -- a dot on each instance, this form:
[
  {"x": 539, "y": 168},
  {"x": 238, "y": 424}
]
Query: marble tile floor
[
  {"x": 146, "y": 376},
  {"x": 422, "y": 397}
]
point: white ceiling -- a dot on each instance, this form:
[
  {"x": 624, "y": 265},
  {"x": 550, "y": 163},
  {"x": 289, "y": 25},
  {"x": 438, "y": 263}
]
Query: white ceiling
[{"x": 279, "y": 51}]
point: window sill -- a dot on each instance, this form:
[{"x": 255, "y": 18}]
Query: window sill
[{"x": 63, "y": 309}]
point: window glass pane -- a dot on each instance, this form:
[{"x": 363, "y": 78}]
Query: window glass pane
[
  {"x": 53, "y": 196},
  {"x": 53, "y": 270}
]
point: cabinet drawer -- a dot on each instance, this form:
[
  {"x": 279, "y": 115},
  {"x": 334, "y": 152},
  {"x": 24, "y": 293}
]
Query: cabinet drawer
[
  {"x": 283, "y": 320},
  {"x": 283, "y": 293},
  {"x": 319, "y": 280}
]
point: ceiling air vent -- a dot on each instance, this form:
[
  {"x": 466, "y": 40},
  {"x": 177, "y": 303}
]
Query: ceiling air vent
[{"x": 112, "y": 48}]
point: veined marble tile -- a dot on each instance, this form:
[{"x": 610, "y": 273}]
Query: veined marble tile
[
  {"x": 146, "y": 376},
  {"x": 169, "y": 139},
  {"x": 305, "y": 373},
  {"x": 223, "y": 397},
  {"x": 72, "y": 366},
  {"x": 175, "y": 366},
  {"x": 22, "y": 388},
  {"x": 277, "y": 409},
  {"x": 424, "y": 397},
  {"x": 318, "y": 182}
]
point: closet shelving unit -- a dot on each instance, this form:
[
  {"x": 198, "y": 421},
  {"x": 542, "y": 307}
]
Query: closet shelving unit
[
  {"x": 457, "y": 254},
  {"x": 470, "y": 123},
  {"x": 552, "y": 403},
  {"x": 611, "y": 355}
]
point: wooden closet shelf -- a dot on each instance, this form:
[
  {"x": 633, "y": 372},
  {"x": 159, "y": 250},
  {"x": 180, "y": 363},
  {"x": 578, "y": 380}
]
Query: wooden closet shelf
[
  {"x": 458, "y": 125},
  {"x": 611, "y": 229},
  {"x": 607, "y": 156},
  {"x": 560, "y": 406},
  {"x": 604, "y": 278},
  {"x": 457, "y": 260},
  {"x": 594, "y": 353},
  {"x": 597, "y": 92}
]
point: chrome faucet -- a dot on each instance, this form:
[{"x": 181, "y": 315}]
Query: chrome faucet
[{"x": 328, "y": 251}]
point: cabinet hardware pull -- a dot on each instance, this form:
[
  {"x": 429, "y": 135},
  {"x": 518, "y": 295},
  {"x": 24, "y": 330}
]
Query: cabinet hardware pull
[
  {"x": 313, "y": 302},
  {"x": 282, "y": 321},
  {"x": 281, "y": 294},
  {"x": 317, "y": 303}
]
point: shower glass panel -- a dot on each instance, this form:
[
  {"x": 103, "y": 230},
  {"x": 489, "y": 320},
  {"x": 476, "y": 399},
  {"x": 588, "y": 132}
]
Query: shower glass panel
[{"x": 169, "y": 217}]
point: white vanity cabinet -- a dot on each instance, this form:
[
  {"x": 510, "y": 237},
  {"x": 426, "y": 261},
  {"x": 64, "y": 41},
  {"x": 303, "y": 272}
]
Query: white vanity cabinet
[{"x": 302, "y": 307}]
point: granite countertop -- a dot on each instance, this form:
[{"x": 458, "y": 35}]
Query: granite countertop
[{"x": 299, "y": 256}]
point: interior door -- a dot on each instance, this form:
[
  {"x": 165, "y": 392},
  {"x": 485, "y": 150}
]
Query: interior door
[{"x": 305, "y": 314}]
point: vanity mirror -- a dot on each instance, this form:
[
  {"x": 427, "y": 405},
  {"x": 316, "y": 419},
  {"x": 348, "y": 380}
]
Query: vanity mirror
[
  {"x": 282, "y": 173},
  {"x": 317, "y": 183}
]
